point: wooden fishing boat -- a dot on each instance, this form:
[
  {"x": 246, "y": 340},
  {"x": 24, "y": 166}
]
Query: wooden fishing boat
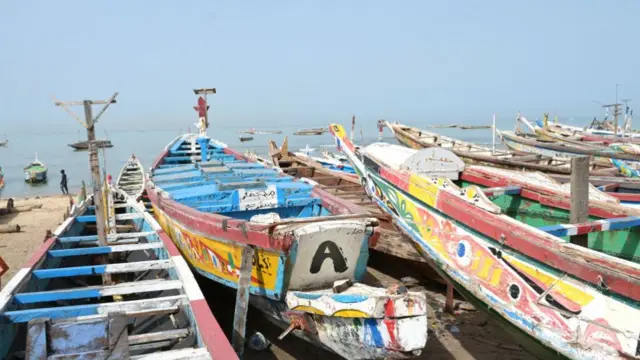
[
  {"x": 222, "y": 210},
  {"x": 326, "y": 162},
  {"x": 348, "y": 188},
  {"x": 506, "y": 247},
  {"x": 131, "y": 179},
  {"x": 35, "y": 172},
  {"x": 471, "y": 153},
  {"x": 314, "y": 131},
  {"x": 131, "y": 298},
  {"x": 531, "y": 144},
  {"x": 255, "y": 131},
  {"x": 84, "y": 145}
]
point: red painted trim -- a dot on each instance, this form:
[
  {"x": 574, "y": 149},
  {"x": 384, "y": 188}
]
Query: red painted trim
[
  {"x": 3, "y": 266},
  {"x": 220, "y": 227},
  {"x": 211, "y": 332},
  {"x": 625, "y": 196},
  {"x": 400, "y": 179},
  {"x": 616, "y": 276},
  {"x": 171, "y": 247},
  {"x": 40, "y": 253},
  {"x": 543, "y": 196},
  {"x": 159, "y": 159}
]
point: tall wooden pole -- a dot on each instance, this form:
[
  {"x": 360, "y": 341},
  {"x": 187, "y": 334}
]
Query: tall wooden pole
[
  {"x": 94, "y": 164},
  {"x": 579, "y": 208},
  {"x": 493, "y": 135}
]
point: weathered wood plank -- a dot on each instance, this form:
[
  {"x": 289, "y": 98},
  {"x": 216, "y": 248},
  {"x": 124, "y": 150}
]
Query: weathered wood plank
[
  {"x": 98, "y": 291},
  {"x": 104, "y": 249},
  {"x": 102, "y": 269},
  {"x": 130, "y": 308},
  {"x": 579, "y": 212},
  {"x": 242, "y": 301},
  {"x": 182, "y": 354}
]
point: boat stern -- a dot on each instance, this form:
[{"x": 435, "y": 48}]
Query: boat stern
[{"x": 325, "y": 251}]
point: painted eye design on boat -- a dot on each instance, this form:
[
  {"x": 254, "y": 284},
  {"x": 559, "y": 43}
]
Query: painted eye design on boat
[
  {"x": 514, "y": 291},
  {"x": 464, "y": 253}
]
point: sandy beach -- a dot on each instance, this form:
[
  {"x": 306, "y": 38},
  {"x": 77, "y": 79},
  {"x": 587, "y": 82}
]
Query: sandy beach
[{"x": 16, "y": 248}]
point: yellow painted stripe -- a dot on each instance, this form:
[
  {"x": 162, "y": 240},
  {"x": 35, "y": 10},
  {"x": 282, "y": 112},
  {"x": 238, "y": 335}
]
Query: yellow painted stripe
[
  {"x": 564, "y": 288},
  {"x": 309, "y": 309},
  {"x": 351, "y": 314}
]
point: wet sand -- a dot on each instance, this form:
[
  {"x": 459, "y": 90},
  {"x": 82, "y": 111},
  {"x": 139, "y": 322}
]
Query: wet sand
[{"x": 466, "y": 335}]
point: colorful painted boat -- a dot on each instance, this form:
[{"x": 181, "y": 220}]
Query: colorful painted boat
[
  {"x": 1, "y": 178},
  {"x": 131, "y": 179},
  {"x": 314, "y": 131},
  {"x": 215, "y": 203},
  {"x": 505, "y": 247},
  {"x": 326, "y": 162},
  {"x": 35, "y": 172},
  {"x": 543, "y": 142},
  {"x": 349, "y": 189},
  {"x": 471, "y": 153},
  {"x": 132, "y": 298},
  {"x": 254, "y": 131}
]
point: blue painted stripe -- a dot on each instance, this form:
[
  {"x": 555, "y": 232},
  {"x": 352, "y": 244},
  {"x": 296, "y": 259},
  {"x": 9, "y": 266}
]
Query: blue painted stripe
[
  {"x": 86, "y": 218},
  {"x": 623, "y": 223},
  {"x": 349, "y": 298},
  {"x": 72, "y": 239},
  {"x": 81, "y": 251},
  {"x": 22, "y": 316},
  {"x": 371, "y": 329},
  {"x": 555, "y": 230},
  {"x": 307, "y": 296},
  {"x": 45, "y": 296},
  {"x": 69, "y": 271}
]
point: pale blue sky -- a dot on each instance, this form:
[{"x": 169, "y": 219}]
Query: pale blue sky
[{"x": 311, "y": 62}]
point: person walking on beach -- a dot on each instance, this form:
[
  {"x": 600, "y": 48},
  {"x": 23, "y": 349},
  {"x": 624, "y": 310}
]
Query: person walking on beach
[{"x": 63, "y": 183}]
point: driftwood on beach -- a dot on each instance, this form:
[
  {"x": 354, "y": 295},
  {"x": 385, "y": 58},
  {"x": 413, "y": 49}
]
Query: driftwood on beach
[
  {"x": 6, "y": 228},
  {"x": 11, "y": 208}
]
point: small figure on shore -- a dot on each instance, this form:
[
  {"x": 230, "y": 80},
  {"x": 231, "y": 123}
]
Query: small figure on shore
[{"x": 63, "y": 183}]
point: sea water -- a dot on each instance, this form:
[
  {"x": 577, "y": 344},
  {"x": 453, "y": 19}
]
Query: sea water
[{"x": 54, "y": 152}]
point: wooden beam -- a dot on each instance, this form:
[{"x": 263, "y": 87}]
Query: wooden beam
[
  {"x": 96, "y": 250},
  {"x": 111, "y": 100},
  {"x": 579, "y": 212},
  {"x": 37, "y": 340},
  {"x": 130, "y": 308},
  {"x": 181, "y": 354},
  {"x": 102, "y": 269},
  {"x": 98, "y": 291},
  {"x": 242, "y": 301}
]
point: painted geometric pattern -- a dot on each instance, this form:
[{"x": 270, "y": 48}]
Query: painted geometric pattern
[{"x": 222, "y": 259}]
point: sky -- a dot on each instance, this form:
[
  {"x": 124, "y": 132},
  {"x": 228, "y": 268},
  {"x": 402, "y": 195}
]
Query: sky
[{"x": 301, "y": 63}]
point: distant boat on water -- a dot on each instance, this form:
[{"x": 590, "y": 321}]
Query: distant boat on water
[
  {"x": 35, "y": 172},
  {"x": 84, "y": 145},
  {"x": 4, "y": 143},
  {"x": 315, "y": 131}
]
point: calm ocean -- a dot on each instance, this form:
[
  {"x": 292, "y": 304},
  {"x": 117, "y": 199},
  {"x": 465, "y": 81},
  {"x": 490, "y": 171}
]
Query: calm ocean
[{"x": 53, "y": 151}]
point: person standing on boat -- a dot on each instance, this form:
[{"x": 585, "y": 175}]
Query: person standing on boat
[{"x": 63, "y": 183}]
